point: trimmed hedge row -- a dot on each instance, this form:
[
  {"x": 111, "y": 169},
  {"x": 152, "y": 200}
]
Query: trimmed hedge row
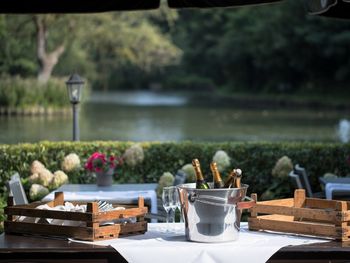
[{"x": 255, "y": 159}]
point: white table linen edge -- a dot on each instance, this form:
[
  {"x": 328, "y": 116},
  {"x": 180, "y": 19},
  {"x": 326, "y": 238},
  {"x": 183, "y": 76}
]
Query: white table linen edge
[{"x": 157, "y": 245}]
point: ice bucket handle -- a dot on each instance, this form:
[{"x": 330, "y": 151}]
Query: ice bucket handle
[
  {"x": 246, "y": 204},
  {"x": 231, "y": 201}
]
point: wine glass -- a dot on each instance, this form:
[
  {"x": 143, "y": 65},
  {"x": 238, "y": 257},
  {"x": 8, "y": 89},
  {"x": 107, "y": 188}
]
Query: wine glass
[
  {"x": 173, "y": 202},
  {"x": 178, "y": 204},
  {"x": 166, "y": 199}
]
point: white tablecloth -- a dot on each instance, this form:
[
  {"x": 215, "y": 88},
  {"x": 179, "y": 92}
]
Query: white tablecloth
[{"x": 157, "y": 245}]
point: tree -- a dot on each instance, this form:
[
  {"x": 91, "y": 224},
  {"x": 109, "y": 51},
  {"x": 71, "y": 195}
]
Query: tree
[{"x": 47, "y": 60}]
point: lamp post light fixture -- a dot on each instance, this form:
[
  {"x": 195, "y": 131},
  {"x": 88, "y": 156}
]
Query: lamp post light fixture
[{"x": 75, "y": 86}]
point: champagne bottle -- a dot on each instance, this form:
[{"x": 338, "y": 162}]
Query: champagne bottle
[
  {"x": 238, "y": 178},
  {"x": 231, "y": 179},
  {"x": 200, "y": 182},
  {"x": 218, "y": 183}
]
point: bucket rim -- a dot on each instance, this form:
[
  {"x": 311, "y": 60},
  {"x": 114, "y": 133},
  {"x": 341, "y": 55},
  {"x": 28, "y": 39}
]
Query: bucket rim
[{"x": 187, "y": 187}]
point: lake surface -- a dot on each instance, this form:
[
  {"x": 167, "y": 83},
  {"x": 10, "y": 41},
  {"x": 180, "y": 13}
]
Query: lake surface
[{"x": 147, "y": 116}]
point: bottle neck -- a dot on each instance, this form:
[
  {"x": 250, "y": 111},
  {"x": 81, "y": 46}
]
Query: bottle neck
[
  {"x": 197, "y": 169},
  {"x": 215, "y": 171}
]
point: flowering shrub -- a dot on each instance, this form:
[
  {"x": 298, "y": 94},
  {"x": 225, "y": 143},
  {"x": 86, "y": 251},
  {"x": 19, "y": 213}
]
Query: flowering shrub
[
  {"x": 36, "y": 167},
  {"x": 134, "y": 155},
  {"x": 37, "y": 191},
  {"x": 99, "y": 162},
  {"x": 59, "y": 178},
  {"x": 282, "y": 167},
  {"x": 222, "y": 160},
  {"x": 70, "y": 162},
  {"x": 167, "y": 179}
]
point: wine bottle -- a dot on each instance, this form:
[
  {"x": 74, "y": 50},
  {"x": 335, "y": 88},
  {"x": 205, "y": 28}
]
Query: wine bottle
[
  {"x": 218, "y": 183},
  {"x": 231, "y": 180},
  {"x": 200, "y": 182},
  {"x": 238, "y": 178}
]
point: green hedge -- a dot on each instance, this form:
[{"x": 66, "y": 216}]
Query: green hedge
[{"x": 255, "y": 159}]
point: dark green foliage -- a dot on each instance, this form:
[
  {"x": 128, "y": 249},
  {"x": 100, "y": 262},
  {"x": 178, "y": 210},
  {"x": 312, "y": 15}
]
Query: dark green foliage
[{"x": 255, "y": 159}]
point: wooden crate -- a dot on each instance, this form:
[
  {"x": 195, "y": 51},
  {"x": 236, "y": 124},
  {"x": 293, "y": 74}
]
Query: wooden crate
[
  {"x": 91, "y": 220},
  {"x": 301, "y": 215}
]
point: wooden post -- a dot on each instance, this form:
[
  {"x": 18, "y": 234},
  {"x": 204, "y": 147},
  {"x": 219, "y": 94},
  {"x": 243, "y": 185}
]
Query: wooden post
[
  {"x": 10, "y": 202},
  {"x": 59, "y": 199},
  {"x": 299, "y": 201},
  {"x": 252, "y": 211},
  {"x": 342, "y": 206}
]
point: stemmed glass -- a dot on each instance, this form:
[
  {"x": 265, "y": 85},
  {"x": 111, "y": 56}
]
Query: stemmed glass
[
  {"x": 169, "y": 203},
  {"x": 178, "y": 203}
]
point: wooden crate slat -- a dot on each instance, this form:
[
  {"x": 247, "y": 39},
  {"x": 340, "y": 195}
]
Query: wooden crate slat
[
  {"x": 314, "y": 214},
  {"x": 131, "y": 212},
  {"x": 33, "y": 212},
  {"x": 140, "y": 227},
  {"x": 321, "y": 203},
  {"x": 297, "y": 227},
  {"x": 284, "y": 202},
  {"x": 48, "y": 230}
]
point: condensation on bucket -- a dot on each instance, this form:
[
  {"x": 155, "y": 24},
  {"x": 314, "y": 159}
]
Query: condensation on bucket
[{"x": 211, "y": 215}]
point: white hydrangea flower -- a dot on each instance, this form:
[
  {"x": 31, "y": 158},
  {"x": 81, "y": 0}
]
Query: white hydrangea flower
[
  {"x": 59, "y": 178},
  {"x": 282, "y": 167},
  {"x": 37, "y": 191},
  {"x": 70, "y": 162},
  {"x": 222, "y": 160},
  {"x": 134, "y": 155},
  {"x": 34, "y": 178},
  {"x": 45, "y": 177},
  {"x": 36, "y": 167}
]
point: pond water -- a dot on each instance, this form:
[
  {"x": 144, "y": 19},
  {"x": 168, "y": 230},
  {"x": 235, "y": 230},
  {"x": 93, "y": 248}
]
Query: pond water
[{"x": 147, "y": 116}]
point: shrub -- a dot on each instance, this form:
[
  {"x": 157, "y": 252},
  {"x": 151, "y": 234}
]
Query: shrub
[
  {"x": 255, "y": 159},
  {"x": 17, "y": 92}
]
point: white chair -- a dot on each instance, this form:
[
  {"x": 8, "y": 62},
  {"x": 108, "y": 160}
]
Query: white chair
[
  {"x": 16, "y": 190},
  {"x": 337, "y": 191}
]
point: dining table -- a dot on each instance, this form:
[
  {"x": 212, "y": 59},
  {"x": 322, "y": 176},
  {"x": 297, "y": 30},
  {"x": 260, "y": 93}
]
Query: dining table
[{"x": 167, "y": 243}]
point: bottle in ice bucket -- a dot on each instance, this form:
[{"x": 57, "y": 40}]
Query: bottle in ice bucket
[
  {"x": 218, "y": 183},
  {"x": 200, "y": 182},
  {"x": 234, "y": 179}
]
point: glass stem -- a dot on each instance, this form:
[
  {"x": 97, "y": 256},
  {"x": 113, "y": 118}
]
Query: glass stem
[{"x": 181, "y": 219}]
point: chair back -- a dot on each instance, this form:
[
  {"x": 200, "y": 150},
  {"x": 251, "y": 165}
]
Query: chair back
[
  {"x": 304, "y": 178},
  {"x": 295, "y": 179},
  {"x": 16, "y": 190}
]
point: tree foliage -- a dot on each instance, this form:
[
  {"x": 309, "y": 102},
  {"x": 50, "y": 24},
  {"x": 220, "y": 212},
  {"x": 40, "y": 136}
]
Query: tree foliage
[{"x": 276, "y": 48}]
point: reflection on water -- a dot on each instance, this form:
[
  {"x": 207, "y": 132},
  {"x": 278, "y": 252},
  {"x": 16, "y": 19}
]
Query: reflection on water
[
  {"x": 140, "y": 98},
  {"x": 171, "y": 119}
]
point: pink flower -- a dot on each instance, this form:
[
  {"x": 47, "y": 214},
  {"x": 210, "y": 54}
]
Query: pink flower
[{"x": 98, "y": 162}]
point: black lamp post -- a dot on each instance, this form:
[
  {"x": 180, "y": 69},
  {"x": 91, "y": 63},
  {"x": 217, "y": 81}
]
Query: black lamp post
[{"x": 75, "y": 87}]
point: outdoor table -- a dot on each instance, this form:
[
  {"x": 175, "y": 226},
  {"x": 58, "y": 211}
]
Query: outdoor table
[
  {"x": 16, "y": 248},
  {"x": 336, "y": 185},
  {"x": 116, "y": 193}
]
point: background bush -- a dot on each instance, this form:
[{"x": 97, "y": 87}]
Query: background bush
[
  {"x": 26, "y": 93},
  {"x": 255, "y": 159}
]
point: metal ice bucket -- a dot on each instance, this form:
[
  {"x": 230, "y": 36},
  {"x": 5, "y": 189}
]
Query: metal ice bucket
[{"x": 212, "y": 215}]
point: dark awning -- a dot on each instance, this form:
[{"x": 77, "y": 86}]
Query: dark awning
[
  {"x": 95, "y": 6},
  {"x": 215, "y": 3},
  {"x": 329, "y": 8}
]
